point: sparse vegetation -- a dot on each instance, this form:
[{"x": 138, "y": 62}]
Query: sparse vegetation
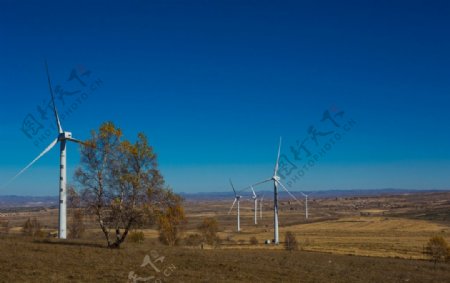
[
  {"x": 253, "y": 241},
  {"x": 136, "y": 237},
  {"x": 437, "y": 249},
  {"x": 369, "y": 236},
  {"x": 193, "y": 240},
  {"x": 50, "y": 262},
  {"x": 290, "y": 241},
  {"x": 209, "y": 228},
  {"x": 32, "y": 227},
  {"x": 76, "y": 222}
]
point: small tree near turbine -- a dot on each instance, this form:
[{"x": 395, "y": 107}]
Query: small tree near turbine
[
  {"x": 76, "y": 222},
  {"x": 209, "y": 228},
  {"x": 120, "y": 182},
  {"x": 171, "y": 219}
]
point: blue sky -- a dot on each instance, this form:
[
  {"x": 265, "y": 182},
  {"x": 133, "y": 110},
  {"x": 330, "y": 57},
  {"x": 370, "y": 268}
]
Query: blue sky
[{"x": 214, "y": 84}]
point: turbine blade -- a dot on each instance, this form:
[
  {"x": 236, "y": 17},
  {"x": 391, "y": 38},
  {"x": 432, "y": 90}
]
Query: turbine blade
[
  {"x": 77, "y": 141},
  {"x": 262, "y": 182},
  {"x": 278, "y": 158},
  {"x": 36, "y": 159},
  {"x": 231, "y": 183},
  {"x": 58, "y": 123},
  {"x": 288, "y": 192},
  {"x": 253, "y": 191},
  {"x": 303, "y": 194},
  {"x": 232, "y": 206}
]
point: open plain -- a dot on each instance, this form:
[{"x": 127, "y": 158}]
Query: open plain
[{"x": 351, "y": 239}]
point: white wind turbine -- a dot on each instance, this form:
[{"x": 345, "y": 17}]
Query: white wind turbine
[
  {"x": 276, "y": 181},
  {"x": 261, "y": 206},
  {"x": 237, "y": 198},
  {"x": 62, "y": 138},
  {"x": 306, "y": 205},
  {"x": 255, "y": 200}
]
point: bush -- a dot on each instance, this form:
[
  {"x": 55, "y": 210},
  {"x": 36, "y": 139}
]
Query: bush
[
  {"x": 76, "y": 225},
  {"x": 32, "y": 227},
  {"x": 136, "y": 237},
  {"x": 208, "y": 228},
  {"x": 437, "y": 249},
  {"x": 253, "y": 241},
  {"x": 193, "y": 240},
  {"x": 290, "y": 242}
]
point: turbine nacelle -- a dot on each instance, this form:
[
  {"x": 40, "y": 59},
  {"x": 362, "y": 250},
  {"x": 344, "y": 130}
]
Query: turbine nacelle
[
  {"x": 276, "y": 178},
  {"x": 65, "y": 136}
]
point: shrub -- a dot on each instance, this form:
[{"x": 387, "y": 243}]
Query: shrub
[
  {"x": 290, "y": 242},
  {"x": 136, "y": 237},
  {"x": 253, "y": 241},
  {"x": 32, "y": 227},
  {"x": 76, "y": 225},
  {"x": 193, "y": 240},
  {"x": 437, "y": 249},
  {"x": 208, "y": 228}
]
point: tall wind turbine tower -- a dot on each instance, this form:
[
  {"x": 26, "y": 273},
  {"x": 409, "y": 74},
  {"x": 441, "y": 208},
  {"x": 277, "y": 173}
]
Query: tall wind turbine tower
[
  {"x": 255, "y": 200},
  {"x": 276, "y": 181},
  {"x": 63, "y": 137}
]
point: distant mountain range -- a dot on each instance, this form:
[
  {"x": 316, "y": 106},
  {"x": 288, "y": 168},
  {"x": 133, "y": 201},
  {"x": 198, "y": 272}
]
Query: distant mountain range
[
  {"x": 27, "y": 201},
  {"x": 10, "y": 201}
]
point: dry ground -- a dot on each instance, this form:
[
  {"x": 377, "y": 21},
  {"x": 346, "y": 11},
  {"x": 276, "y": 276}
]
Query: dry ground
[
  {"x": 28, "y": 260},
  {"x": 358, "y": 239}
]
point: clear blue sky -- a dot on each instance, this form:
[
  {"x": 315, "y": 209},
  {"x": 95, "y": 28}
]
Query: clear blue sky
[{"x": 214, "y": 84}]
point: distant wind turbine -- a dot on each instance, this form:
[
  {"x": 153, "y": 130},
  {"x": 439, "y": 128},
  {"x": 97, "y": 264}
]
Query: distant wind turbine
[
  {"x": 255, "y": 200},
  {"x": 306, "y": 205},
  {"x": 63, "y": 137},
  {"x": 261, "y": 206},
  {"x": 236, "y": 199}
]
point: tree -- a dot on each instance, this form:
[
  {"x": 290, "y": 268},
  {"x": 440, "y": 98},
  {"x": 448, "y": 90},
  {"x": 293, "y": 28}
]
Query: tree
[
  {"x": 290, "y": 242},
  {"x": 438, "y": 249},
  {"x": 171, "y": 219},
  {"x": 120, "y": 182},
  {"x": 76, "y": 223},
  {"x": 209, "y": 228}
]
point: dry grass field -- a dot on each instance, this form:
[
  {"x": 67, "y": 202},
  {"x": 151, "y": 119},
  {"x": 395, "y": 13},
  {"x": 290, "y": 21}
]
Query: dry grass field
[
  {"x": 28, "y": 260},
  {"x": 358, "y": 239}
]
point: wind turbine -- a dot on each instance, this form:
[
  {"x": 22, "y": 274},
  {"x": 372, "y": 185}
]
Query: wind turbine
[
  {"x": 261, "y": 206},
  {"x": 63, "y": 137},
  {"x": 236, "y": 199},
  {"x": 276, "y": 181},
  {"x": 255, "y": 200},
  {"x": 306, "y": 205}
]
